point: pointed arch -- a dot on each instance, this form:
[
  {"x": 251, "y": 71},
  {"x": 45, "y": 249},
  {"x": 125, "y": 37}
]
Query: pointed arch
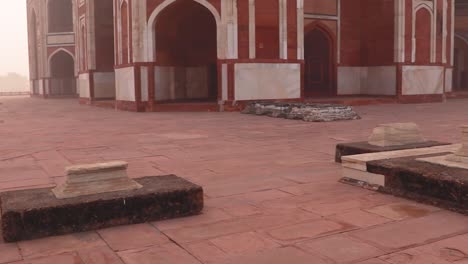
[
  {"x": 320, "y": 49},
  {"x": 418, "y": 10},
  {"x": 62, "y": 73},
  {"x": 151, "y": 31},
  {"x": 49, "y": 59}
]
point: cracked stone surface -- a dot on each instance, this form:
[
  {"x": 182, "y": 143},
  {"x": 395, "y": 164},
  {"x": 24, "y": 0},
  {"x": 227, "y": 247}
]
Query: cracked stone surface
[{"x": 303, "y": 111}]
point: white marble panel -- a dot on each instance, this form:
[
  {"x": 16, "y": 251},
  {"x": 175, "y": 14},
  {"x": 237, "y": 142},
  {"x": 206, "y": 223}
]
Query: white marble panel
[
  {"x": 224, "y": 81},
  {"x": 164, "y": 82},
  {"x": 144, "y": 84},
  {"x": 104, "y": 85},
  {"x": 381, "y": 80},
  {"x": 448, "y": 80},
  {"x": 196, "y": 82},
  {"x": 125, "y": 84},
  {"x": 419, "y": 80},
  {"x": 41, "y": 87},
  {"x": 376, "y": 80},
  {"x": 349, "y": 80},
  {"x": 61, "y": 39},
  {"x": 83, "y": 85},
  {"x": 364, "y": 176},
  {"x": 357, "y": 161},
  {"x": 257, "y": 81}
]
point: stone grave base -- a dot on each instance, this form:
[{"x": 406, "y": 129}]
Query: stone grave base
[
  {"x": 354, "y": 148},
  {"x": 302, "y": 111},
  {"x": 37, "y": 213},
  {"x": 438, "y": 185}
]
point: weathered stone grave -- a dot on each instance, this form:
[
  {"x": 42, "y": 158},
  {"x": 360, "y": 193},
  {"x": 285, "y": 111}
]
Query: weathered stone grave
[
  {"x": 387, "y": 137},
  {"x": 96, "y": 196},
  {"x": 434, "y": 175},
  {"x": 302, "y": 111}
]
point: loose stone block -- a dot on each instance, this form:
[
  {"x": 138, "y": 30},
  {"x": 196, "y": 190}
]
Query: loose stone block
[
  {"x": 31, "y": 214},
  {"x": 396, "y": 134},
  {"x": 94, "y": 179}
]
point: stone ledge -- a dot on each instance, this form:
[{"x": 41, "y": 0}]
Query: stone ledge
[
  {"x": 98, "y": 167},
  {"x": 355, "y": 148},
  {"x": 37, "y": 213}
]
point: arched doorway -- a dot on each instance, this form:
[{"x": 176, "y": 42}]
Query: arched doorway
[
  {"x": 60, "y": 16},
  {"x": 319, "y": 66},
  {"x": 460, "y": 71},
  {"x": 62, "y": 71},
  {"x": 423, "y": 36},
  {"x": 186, "y": 53}
]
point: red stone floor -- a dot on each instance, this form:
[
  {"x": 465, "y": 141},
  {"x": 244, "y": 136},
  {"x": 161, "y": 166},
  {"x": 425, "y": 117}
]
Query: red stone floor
[{"x": 272, "y": 194}]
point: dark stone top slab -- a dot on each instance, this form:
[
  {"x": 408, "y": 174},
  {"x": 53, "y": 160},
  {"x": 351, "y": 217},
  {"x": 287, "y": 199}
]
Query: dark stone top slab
[
  {"x": 355, "y": 148},
  {"x": 30, "y": 214},
  {"x": 426, "y": 182}
]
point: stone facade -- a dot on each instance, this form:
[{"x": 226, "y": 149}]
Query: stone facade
[{"x": 149, "y": 53}]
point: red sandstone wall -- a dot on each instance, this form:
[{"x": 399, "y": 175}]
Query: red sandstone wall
[
  {"x": 267, "y": 29},
  {"x": 351, "y": 32},
  {"x": 322, "y": 7},
  {"x": 243, "y": 28},
  {"x": 292, "y": 29},
  {"x": 104, "y": 35},
  {"x": 367, "y": 32},
  {"x": 377, "y": 32}
]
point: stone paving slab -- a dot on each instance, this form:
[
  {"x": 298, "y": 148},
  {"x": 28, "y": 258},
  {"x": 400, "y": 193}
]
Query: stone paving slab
[{"x": 282, "y": 174}]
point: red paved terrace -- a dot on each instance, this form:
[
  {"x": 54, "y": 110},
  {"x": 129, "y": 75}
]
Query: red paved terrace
[{"x": 272, "y": 194}]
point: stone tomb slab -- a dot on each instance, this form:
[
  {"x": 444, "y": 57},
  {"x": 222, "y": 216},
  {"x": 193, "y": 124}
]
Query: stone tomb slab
[
  {"x": 355, "y": 148},
  {"x": 37, "y": 213},
  {"x": 410, "y": 177}
]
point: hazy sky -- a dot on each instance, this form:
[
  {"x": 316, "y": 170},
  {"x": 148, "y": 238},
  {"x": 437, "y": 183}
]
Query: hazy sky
[{"x": 13, "y": 32}]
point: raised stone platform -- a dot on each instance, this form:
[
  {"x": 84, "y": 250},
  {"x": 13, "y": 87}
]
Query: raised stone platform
[
  {"x": 355, "y": 148},
  {"x": 426, "y": 182},
  {"x": 302, "y": 111},
  {"x": 387, "y": 137},
  {"x": 31, "y": 214}
]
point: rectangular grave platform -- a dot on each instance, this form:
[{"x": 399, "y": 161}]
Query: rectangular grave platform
[
  {"x": 355, "y": 148},
  {"x": 424, "y": 182},
  {"x": 37, "y": 213}
]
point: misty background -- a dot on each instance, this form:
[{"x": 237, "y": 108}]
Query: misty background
[{"x": 14, "y": 69}]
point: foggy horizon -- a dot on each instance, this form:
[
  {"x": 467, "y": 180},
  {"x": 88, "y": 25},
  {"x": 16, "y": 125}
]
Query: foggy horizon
[{"x": 13, "y": 27}]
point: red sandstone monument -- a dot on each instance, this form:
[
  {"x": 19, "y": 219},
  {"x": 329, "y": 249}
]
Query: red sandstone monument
[{"x": 151, "y": 55}]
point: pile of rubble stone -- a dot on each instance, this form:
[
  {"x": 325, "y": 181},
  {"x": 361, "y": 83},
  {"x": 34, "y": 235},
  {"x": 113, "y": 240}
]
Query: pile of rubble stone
[{"x": 302, "y": 111}]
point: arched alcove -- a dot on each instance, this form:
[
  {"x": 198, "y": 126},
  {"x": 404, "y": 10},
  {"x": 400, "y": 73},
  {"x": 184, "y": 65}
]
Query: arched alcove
[
  {"x": 60, "y": 16},
  {"x": 318, "y": 56},
  {"x": 62, "y": 73},
  {"x": 186, "y": 52},
  {"x": 423, "y": 36}
]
